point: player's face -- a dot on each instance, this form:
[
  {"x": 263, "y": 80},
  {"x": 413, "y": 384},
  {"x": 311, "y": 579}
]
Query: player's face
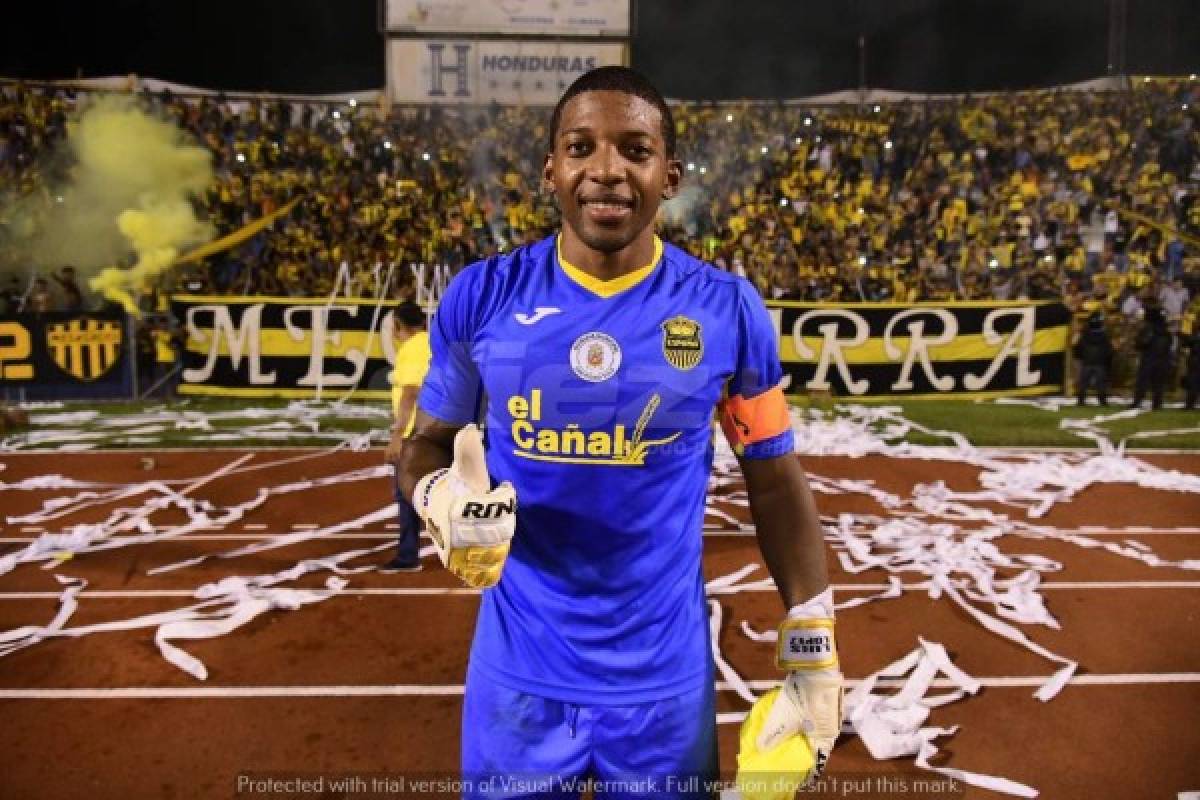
[{"x": 609, "y": 168}]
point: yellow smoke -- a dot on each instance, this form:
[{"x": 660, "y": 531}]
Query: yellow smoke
[
  {"x": 155, "y": 234},
  {"x": 132, "y": 177}
]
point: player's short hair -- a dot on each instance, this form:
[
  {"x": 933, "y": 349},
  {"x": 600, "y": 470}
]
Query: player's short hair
[
  {"x": 618, "y": 79},
  {"x": 410, "y": 315}
]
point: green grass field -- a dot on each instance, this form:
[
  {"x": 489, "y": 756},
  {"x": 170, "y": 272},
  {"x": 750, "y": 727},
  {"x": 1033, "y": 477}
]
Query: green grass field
[{"x": 226, "y": 422}]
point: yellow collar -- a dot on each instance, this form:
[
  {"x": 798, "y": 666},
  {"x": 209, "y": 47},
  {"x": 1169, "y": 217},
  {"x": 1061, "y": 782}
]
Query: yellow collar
[{"x": 607, "y": 289}]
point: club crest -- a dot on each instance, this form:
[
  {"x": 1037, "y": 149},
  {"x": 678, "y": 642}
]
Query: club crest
[
  {"x": 682, "y": 345},
  {"x": 85, "y": 348}
]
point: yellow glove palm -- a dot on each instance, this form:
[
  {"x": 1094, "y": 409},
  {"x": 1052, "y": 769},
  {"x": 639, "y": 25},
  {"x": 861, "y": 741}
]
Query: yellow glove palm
[{"x": 774, "y": 773}]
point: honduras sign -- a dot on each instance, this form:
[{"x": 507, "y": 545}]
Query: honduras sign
[{"x": 479, "y": 72}]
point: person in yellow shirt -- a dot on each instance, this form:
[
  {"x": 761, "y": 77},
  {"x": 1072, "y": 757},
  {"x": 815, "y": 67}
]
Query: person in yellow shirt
[{"x": 412, "y": 362}]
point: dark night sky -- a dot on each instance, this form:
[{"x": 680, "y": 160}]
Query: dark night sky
[{"x": 690, "y": 48}]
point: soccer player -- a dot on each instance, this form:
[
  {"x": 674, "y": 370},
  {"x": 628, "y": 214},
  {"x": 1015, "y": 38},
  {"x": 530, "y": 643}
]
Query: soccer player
[
  {"x": 595, "y": 360},
  {"x": 411, "y": 342}
]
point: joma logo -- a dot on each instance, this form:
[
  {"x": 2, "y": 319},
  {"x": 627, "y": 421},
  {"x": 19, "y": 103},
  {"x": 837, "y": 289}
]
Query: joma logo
[{"x": 488, "y": 510}]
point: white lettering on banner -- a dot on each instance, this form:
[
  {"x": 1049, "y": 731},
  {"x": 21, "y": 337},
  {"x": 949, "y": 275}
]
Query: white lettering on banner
[
  {"x": 1019, "y": 343},
  {"x": 918, "y": 346},
  {"x": 243, "y": 341},
  {"x": 831, "y": 348},
  {"x": 320, "y": 336},
  {"x": 430, "y": 291}
]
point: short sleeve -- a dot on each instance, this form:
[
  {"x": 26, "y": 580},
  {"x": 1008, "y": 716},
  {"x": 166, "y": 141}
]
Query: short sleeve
[
  {"x": 753, "y": 388},
  {"x": 757, "y": 366},
  {"x": 453, "y": 389}
]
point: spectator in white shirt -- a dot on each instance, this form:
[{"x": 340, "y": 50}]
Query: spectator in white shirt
[
  {"x": 1132, "y": 307},
  {"x": 1174, "y": 299}
]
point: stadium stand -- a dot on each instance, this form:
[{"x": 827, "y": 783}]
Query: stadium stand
[{"x": 1006, "y": 196}]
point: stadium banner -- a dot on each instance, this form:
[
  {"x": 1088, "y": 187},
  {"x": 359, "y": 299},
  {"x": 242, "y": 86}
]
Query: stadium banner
[
  {"x": 523, "y": 17},
  {"x": 65, "y": 355},
  {"x": 453, "y": 71},
  {"x": 285, "y": 347},
  {"x": 300, "y": 347},
  {"x": 958, "y": 349}
]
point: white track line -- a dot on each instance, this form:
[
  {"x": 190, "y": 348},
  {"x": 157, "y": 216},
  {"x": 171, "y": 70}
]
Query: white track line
[
  {"x": 1132, "y": 447},
  {"x": 425, "y": 591},
  {"x": 441, "y": 690},
  {"x": 1106, "y": 532},
  {"x": 1086, "y": 530},
  {"x": 1134, "y": 450},
  {"x": 1090, "y": 530},
  {"x": 1096, "y": 530},
  {"x": 116, "y": 451},
  {"x": 233, "y": 537},
  {"x": 1054, "y": 585}
]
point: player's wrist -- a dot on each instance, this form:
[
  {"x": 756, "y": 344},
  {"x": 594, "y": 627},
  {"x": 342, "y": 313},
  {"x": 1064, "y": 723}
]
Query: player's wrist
[
  {"x": 807, "y": 642},
  {"x": 819, "y": 605}
]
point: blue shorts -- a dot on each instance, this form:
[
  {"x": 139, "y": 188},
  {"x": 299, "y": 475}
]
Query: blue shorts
[{"x": 516, "y": 744}]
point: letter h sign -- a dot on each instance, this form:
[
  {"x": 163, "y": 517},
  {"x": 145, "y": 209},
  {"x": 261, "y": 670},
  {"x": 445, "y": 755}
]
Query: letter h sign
[{"x": 437, "y": 69}]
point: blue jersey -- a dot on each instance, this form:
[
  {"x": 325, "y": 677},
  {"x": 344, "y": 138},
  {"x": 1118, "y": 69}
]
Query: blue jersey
[{"x": 598, "y": 401}]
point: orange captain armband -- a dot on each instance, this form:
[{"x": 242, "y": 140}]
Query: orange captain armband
[{"x": 748, "y": 421}]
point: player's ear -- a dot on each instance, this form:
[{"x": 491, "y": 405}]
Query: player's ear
[
  {"x": 674, "y": 177},
  {"x": 548, "y": 174}
]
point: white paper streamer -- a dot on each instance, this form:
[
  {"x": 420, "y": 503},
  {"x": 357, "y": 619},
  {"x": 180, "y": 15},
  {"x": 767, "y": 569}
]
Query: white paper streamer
[
  {"x": 300, "y": 420},
  {"x": 19, "y": 638},
  {"x": 891, "y": 726},
  {"x": 225, "y": 606},
  {"x": 242, "y": 606},
  {"x": 728, "y": 673},
  {"x": 135, "y": 521},
  {"x": 388, "y": 512}
]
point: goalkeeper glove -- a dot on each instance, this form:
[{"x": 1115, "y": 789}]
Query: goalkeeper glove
[
  {"x": 790, "y": 732},
  {"x": 470, "y": 523}
]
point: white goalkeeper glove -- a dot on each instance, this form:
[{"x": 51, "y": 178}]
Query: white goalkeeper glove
[
  {"x": 470, "y": 523},
  {"x": 789, "y": 734}
]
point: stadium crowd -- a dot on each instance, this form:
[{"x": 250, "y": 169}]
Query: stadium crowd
[{"x": 1007, "y": 196}]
